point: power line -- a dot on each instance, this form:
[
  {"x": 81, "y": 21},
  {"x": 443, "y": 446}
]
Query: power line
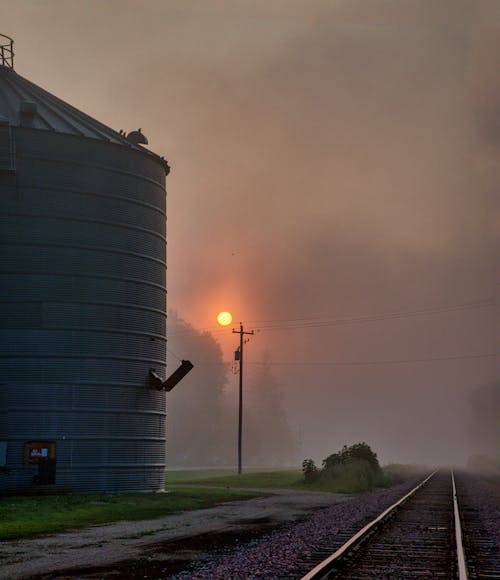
[
  {"x": 358, "y": 363},
  {"x": 317, "y": 322},
  {"x": 173, "y": 354},
  {"x": 372, "y": 363}
]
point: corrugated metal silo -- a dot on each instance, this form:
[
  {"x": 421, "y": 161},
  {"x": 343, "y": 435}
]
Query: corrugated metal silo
[{"x": 83, "y": 297}]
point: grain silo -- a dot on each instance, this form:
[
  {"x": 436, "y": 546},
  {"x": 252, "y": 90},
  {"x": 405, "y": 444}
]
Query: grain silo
[{"x": 83, "y": 297}]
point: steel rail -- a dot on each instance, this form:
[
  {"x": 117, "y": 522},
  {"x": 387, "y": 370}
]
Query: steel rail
[
  {"x": 323, "y": 567},
  {"x": 462, "y": 566}
]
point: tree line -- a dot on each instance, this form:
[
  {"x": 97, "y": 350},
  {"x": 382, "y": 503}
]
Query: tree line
[{"x": 202, "y": 409}]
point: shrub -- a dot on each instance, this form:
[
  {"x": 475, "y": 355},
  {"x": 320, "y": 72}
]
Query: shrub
[
  {"x": 352, "y": 469},
  {"x": 310, "y": 471},
  {"x": 335, "y": 459},
  {"x": 362, "y": 451},
  {"x": 354, "y": 476}
]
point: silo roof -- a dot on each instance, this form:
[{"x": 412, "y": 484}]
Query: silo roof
[{"x": 22, "y": 103}]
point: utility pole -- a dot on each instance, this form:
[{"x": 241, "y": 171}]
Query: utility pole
[{"x": 241, "y": 332}]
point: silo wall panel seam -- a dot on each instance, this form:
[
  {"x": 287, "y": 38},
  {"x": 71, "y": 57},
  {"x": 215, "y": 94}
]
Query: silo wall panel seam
[
  {"x": 72, "y": 157},
  {"x": 72, "y": 369},
  {"x": 49, "y": 230},
  {"x": 32, "y": 325},
  {"x": 88, "y": 176},
  {"x": 143, "y": 414},
  {"x": 81, "y": 288},
  {"x": 84, "y": 451},
  {"x": 88, "y": 307},
  {"x": 91, "y": 248},
  {"x": 91, "y": 480},
  {"x": 119, "y": 398},
  {"x": 79, "y": 358},
  {"x": 83, "y": 423},
  {"x": 106, "y": 385},
  {"x": 103, "y": 211},
  {"x": 30, "y": 197},
  {"x": 68, "y": 148},
  {"x": 61, "y": 344},
  {"x": 79, "y": 220},
  {"x": 59, "y": 260},
  {"x": 61, "y": 303}
]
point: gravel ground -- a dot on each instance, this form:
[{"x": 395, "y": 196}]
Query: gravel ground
[
  {"x": 262, "y": 538},
  {"x": 121, "y": 549},
  {"x": 479, "y": 498},
  {"x": 281, "y": 554},
  {"x": 484, "y": 496}
]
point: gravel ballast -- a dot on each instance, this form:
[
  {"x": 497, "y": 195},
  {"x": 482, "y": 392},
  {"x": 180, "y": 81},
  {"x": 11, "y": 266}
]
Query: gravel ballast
[
  {"x": 281, "y": 554},
  {"x": 285, "y": 553}
]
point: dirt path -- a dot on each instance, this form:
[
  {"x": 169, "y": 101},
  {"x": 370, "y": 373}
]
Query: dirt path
[{"x": 116, "y": 550}]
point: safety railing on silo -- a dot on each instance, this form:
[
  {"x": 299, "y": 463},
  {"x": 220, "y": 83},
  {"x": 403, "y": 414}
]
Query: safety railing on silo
[{"x": 6, "y": 51}]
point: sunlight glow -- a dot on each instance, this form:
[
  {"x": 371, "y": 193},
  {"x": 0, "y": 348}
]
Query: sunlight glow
[{"x": 224, "y": 318}]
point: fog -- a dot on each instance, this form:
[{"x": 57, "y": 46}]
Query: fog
[{"x": 334, "y": 185}]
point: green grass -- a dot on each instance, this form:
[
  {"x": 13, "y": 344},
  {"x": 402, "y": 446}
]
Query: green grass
[
  {"x": 23, "y": 517},
  {"x": 187, "y": 475},
  {"x": 277, "y": 479},
  {"x": 283, "y": 478}
]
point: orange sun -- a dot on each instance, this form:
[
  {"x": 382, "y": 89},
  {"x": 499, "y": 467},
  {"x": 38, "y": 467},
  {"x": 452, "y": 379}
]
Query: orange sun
[{"x": 224, "y": 318}]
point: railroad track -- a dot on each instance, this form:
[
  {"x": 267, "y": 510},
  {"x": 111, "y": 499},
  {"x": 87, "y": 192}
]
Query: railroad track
[{"x": 423, "y": 535}]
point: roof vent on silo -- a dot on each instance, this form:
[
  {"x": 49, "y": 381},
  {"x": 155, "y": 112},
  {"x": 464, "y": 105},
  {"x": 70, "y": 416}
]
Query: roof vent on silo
[
  {"x": 27, "y": 112},
  {"x": 7, "y": 158},
  {"x": 137, "y": 137},
  {"x": 6, "y": 51}
]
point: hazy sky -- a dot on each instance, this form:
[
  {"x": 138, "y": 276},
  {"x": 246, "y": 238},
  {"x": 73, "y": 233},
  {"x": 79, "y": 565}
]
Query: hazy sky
[{"x": 333, "y": 159}]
